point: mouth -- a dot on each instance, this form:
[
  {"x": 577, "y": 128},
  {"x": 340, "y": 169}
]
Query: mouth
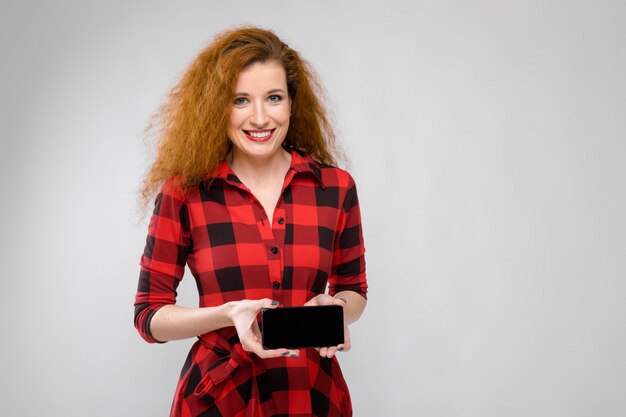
[{"x": 259, "y": 135}]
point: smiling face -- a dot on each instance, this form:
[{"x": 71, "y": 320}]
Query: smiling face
[{"x": 259, "y": 118}]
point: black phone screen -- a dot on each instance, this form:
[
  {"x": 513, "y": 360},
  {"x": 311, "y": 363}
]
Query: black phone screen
[{"x": 299, "y": 327}]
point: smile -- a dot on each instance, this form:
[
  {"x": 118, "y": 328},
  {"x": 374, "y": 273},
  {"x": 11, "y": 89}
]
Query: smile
[{"x": 259, "y": 135}]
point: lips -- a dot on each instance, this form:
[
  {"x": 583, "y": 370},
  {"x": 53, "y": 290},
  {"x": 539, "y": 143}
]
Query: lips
[{"x": 259, "y": 135}]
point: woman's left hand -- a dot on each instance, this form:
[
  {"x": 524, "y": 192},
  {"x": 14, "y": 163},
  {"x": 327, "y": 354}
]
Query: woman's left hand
[{"x": 326, "y": 300}]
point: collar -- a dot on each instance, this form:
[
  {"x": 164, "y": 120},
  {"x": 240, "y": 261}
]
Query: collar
[
  {"x": 300, "y": 163},
  {"x": 303, "y": 163}
]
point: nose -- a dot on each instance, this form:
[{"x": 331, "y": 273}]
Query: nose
[{"x": 259, "y": 116}]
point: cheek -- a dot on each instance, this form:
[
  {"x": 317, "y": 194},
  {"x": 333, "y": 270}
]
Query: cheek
[
  {"x": 282, "y": 114},
  {"x": 236, "y": 119}
]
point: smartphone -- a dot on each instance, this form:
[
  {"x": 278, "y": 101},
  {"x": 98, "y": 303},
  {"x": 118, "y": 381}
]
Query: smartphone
[{"x": 300, "y": 327}]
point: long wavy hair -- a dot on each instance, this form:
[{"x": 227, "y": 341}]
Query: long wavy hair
[{"x": 193, "y": 120}]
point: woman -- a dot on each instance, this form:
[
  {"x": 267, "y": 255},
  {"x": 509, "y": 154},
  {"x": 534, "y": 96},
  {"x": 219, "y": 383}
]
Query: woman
[{"x": 249, "y": 200}]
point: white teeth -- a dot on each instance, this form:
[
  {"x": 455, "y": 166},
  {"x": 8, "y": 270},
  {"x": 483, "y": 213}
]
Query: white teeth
[{"x": 260, "y": 135}]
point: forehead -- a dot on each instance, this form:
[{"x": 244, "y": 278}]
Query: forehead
[{"x": 261, "y": 76}]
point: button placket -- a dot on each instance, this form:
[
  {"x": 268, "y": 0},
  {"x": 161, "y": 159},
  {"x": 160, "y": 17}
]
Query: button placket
[
  {"x": 270, "y": 239},
  {"x": 276, "y": 250},
  {"x": 274, "y": 259}
]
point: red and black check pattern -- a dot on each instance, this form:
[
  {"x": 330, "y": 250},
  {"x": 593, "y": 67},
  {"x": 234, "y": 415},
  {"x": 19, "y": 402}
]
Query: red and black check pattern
[{"x": 235, "y": 252}]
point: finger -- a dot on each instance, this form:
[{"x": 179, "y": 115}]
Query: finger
[
  {"x": 347, "y": 344},
  {"x": 345, "y": 347},
  {"x": 312, "y": 301},
  {"x": 332, "y": 351},
  {"x": 275, "y": 353},
  {"x": 267, "y": 303},
  {"x": 253, "y": 344},
  {"x": 325, "y": 299},
  {"x": 340, "y": 301},
  {"x": 270, "y": 353},
  {"x": 323, "y": 352},
  {"x": 255, "y": 347}
]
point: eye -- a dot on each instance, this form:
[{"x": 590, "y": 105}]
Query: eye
[
  {"x": 275, "y": 98},
  {"x": 240, "y": 101}
]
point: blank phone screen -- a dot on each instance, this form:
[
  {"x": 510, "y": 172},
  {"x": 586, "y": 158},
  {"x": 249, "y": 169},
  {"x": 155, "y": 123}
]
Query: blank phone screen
[{"x": 298, "y": 327}]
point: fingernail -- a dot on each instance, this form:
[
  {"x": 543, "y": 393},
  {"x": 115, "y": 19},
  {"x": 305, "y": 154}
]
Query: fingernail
[
  {"x": 286, "y": 354},
  {"x": 295, "y": 356},
  {"x": 340, "y": 349},
  {"x": 275, "y": 303}
]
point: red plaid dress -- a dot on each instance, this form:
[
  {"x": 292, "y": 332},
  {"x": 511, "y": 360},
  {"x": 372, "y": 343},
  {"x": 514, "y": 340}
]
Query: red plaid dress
[{"x": 223, "y": 234}]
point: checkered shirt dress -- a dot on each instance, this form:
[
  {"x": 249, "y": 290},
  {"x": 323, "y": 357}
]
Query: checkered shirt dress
[{"x": 222, "y": 233}]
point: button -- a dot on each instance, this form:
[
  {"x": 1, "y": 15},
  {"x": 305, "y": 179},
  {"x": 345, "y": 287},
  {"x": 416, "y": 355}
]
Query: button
[
  {"x": 276, "y": 285},
  {"x": 281, "y": 221},
  {"x": 274, "y": 250}
]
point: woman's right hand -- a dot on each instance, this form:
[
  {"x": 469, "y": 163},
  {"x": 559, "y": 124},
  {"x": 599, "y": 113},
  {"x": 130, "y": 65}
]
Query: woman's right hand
[{"x": 243, "y": 315}]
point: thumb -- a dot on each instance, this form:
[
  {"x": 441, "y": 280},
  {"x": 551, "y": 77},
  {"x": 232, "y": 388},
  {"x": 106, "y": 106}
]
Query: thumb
[{"x": 268, "y": 303}]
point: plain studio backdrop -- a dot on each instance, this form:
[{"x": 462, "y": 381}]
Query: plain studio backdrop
[{"x": 487, "y": 139}]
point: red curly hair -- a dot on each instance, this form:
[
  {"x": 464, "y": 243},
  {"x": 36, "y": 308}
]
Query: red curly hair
[{"x": 193, "y": 120}]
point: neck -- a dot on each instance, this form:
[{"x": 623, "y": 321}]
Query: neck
[{"x": 258, "y": 171}]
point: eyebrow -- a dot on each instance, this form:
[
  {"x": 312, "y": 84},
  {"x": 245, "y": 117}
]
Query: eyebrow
[{"x": 274, "y": 91}]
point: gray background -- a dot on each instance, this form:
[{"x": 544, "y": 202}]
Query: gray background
[{"x": 487, "y": 140}]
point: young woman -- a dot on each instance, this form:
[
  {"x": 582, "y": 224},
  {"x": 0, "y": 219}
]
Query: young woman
[{"x": 247, "y": 196}]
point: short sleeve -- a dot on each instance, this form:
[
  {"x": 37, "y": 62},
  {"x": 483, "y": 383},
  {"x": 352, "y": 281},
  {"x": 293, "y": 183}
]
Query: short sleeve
[
  {"x": 348, "y": 269},
  {"x": 163, "y": 260}
]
